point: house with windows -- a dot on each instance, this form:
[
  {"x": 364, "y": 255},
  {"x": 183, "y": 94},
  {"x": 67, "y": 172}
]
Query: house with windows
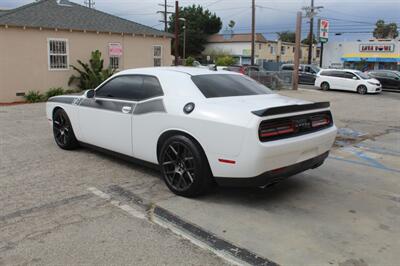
[
  {"x": 39, "y": 42},
  {"x": 239, "y": 46}
]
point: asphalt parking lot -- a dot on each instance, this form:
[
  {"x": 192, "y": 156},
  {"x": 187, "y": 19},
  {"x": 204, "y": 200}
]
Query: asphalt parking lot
[{"x": 84, "y": 207}]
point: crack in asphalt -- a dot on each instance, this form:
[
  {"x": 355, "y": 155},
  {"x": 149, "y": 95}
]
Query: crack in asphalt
[{"x": 45, "y": 206}]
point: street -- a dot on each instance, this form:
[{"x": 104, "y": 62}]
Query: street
[{"x": 85, "y": 207}]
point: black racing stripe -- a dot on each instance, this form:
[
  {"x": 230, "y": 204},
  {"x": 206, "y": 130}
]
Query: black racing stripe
[
  {"x": 115, "y": 106},
  {"x": 61, "y": 99},
  {"x": 154, "y": 106}
]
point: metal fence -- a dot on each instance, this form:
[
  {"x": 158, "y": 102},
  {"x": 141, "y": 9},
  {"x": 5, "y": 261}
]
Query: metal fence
[{"x": 276, "y": 80}]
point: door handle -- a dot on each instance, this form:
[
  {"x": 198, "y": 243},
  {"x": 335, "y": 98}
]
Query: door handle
[{"x": 126, "y": 109}]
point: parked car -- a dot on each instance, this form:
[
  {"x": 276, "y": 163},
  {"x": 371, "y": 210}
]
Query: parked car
[
  {"x": 389, "y": 79},
  {"x": 197, "y": 126},
  {"x": 244, "y": 69},
  {"x": 307, "y": 73},
  {"x": 347, "y": 79}
]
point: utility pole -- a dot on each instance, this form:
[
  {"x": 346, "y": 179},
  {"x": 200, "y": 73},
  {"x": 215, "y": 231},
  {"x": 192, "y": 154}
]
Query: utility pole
[
  {"x": 253, "y": 30},
  {"x": 165, "y": 13},
  {"x": 311, "y": 12},
  {"x": 295, "y": 77},
  {"x": 176, "y": 33},
  {"x": 89, "y": 3},
  {"x": 311, "y": 37}
]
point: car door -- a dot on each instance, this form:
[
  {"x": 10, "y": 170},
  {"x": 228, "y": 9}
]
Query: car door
[
  {"x": 106, "y": 120},
  {"x": 392, "y": 80},
  {"x": 336, "y": 80},
  {"x": 309, "y": 75},
  {"x": 350, "y": 81},
  {"x": 382, "y": 78}
]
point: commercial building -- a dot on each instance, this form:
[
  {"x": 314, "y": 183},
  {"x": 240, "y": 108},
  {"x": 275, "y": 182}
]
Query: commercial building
[
  {"x": 39, "y": 42},
  {"x": 367, "y": 55},
  {"x": 239, "y": 46}
]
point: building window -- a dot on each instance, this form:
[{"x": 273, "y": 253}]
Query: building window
[
  {"x": 114, "y": 62},
  {"x": 271, "y": 50},
  {"x": 157, "y": 55},
  {"x": 58, "y": 54},
  {"x": 259, "y": 46},
  {"x": 283, "y": 50},
  {"x": 294, "y": 49}
]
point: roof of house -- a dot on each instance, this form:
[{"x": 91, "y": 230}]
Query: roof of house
[
  {"x": 240, "y": 37},
  {"x": 62, "y": 14}
]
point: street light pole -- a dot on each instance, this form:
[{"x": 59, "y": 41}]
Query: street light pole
[{"x": 184, "y": 36}]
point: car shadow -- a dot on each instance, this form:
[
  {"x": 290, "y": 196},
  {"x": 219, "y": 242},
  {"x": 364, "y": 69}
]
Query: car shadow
[{"x": 287, "y": 189}]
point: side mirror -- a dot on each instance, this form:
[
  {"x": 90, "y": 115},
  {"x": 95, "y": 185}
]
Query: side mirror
[
  {"x": 89, "y": 94},
  {"x": 355, "y": 78}
]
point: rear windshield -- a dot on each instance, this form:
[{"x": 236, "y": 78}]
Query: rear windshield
[{"x": 225, "y": 85}]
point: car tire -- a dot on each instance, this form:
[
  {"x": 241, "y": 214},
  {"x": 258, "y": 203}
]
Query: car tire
[
  {"x": 63, "y": 132},
  {"x": 185, "y": 167},
  {"x": 362, "y": 89},
  {"x": 325, "y": 86}
]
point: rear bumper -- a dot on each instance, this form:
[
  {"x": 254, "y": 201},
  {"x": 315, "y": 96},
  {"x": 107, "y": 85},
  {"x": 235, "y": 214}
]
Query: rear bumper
[{"x": 273, "y": 176}]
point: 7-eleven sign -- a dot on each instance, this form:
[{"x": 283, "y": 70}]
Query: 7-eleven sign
[{"x": 323, "y": 30}]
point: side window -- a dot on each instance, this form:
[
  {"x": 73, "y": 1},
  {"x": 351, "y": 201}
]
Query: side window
[
  {"x": 131, "y": 87},
  {"x": 151, "y": 87},
  {"x": 123, "y": 87},
  {"x": 337, "y": 74},
  {"x": 349, "y": 75},
  {"x": 287, "y": 68}
]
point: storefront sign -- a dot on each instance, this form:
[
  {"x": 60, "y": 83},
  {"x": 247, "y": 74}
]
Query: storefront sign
[
  {"x": 377, "y": 48},
  {"x": 323, "y": 30},
  {"x": 115, "y": 49}
]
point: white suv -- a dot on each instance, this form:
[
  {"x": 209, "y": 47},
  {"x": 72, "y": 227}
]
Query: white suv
[{"x": 347, "y": 79}]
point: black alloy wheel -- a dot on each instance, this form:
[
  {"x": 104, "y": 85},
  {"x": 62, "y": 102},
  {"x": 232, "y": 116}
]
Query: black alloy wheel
[
  {"x": 325, "y": 86},
  {"x": 185, "y": 167},
  {"x": 63, "y": 132},
  {"x": 362, "y": 89}
]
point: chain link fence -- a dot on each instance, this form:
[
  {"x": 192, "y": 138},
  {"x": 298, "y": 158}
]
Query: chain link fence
[{"x": 275, "y": 80}]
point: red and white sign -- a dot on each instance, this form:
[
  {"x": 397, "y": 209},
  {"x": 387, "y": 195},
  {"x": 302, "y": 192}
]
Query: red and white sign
[
  {"x": 377, "y": 48},
  {"x": 323, "y": 30},
  {"x": 115, "y": 49}
]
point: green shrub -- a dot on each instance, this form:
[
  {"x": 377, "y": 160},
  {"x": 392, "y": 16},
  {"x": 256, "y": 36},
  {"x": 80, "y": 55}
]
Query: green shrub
[
  {"x": 225, "y": 60},
  {"x": 34, "y": 97},
  {"x": 54, "y": 92},
  {"x": 90, "y": 74},
  {"x": 189, "y": 61},
  {"x": 69, "y": 91}
]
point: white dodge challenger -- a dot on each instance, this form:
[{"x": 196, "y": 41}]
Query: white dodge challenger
[{"x": 197, "y": 126}]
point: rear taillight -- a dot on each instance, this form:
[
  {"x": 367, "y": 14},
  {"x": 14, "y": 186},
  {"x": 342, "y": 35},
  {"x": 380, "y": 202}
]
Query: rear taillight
[
  {"x": 276, "y": 129},
  {"x": 287, "y": 127},
  {"x": 320, "y": 121}
]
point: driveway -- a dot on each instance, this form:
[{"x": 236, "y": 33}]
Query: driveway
[{"x": 84, "y": 207}]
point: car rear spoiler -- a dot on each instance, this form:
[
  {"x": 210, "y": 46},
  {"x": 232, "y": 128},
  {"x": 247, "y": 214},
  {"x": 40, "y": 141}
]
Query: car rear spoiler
[{"x": 291, "y": 108}]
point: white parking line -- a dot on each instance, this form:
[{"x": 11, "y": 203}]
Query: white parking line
[{"x": 116, "y": 203}]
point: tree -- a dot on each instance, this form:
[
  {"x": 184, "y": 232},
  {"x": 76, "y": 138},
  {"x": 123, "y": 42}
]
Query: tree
[
  {"x": 385, "y": 31},
  {"x": 225, "y": 60},
  {"x": 92, "y": 74},
  {"x": 287, "y": 36},
  {"x": 200, "y": 24},
  {"x": 307, "y": 40}
]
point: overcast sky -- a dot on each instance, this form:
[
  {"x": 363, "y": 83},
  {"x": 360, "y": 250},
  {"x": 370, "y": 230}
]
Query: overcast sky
[{"x": 355, "y": 18}]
